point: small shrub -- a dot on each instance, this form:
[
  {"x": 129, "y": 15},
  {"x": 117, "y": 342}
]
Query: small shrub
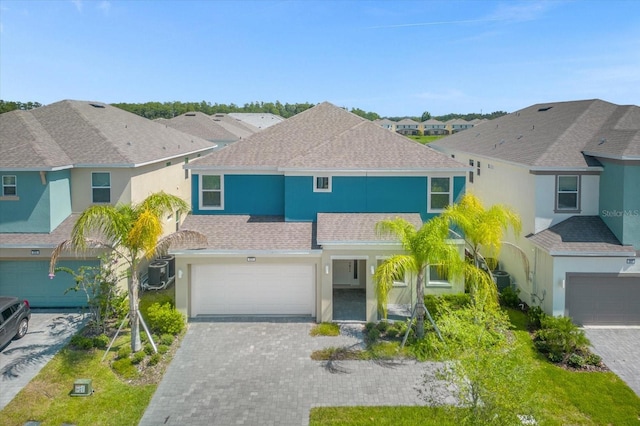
[
  {"x": 437, "y": 305},
  {"x": 154, "y": 359},
  {"x": 534, "y": 317},
  {"x": 559, "y": 337},
  {"x": 373, "y": 335},
  {"x": 509, "y": 297},
  {"x": 166, "y": 339},
  {"x": 576, "y": 360},
  {"x": 593, "y": 359},
  {"x": 165, "y": 319},
  {"x": 138, "y": 357},
  {"x": 325, "y": 329},
  {"x": 82, "y": 342},
  {"x": 382, "y": 326},
  {"x": 101, "y": 341},
  {"x": 163, "y": 349},
  {"x": 148, "y": 349},
  {"x": 124, "y": 352}
]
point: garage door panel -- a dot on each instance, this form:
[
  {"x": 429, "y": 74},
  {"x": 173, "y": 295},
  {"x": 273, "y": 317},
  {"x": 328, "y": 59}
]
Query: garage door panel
[
  {"x": 252, "y": 290},
  {"x": 603, "y": 299}
]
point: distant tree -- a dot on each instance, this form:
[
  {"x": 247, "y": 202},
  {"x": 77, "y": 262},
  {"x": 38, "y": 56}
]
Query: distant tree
[
  {"x": 6, "y": 106},
  {"x": 371, "y": 116},
  {"x": 425, "y": 116}
]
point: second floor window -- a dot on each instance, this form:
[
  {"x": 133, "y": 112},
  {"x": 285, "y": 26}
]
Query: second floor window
[
  {"x": 568, "y": 193},
  {"x": 440, "y": 193},
  {"x": 322, "y": 184},
  {"x": 101, "y": 187},
  {"x": 9, "y": 186},
  {"x": 211, "y": 192}
]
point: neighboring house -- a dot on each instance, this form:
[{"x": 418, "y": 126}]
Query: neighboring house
[
  {"x": 572, "y": 171},
  {"x": 290, "y": 216},
  {"x": 201, "y": 125},
  {"x": 433, "y": 127},
  {"x": 59, "y": 159},
  {"x": 456, "y": 125},
  {"x": 260, "y": 120},
  {"x": 407, "y": 127},
  {"x": 385, "y": 123}
]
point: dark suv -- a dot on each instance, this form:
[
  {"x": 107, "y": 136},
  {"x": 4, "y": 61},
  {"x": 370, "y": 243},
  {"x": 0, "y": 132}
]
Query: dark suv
[{"x": 14, "y": 319}]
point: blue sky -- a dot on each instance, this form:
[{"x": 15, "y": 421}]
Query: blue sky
[{"x": 395, "y": 58}]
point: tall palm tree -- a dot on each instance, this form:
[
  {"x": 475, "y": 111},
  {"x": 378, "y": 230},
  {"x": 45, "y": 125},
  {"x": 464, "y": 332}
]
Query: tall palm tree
[
  {"x": 483, "y": 231},
  {"x": 429, "y": 245},
  {"x": 132, "y": 233}
]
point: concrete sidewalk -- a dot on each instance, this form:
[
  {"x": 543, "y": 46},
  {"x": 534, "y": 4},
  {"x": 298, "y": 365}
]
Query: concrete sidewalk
[{"x": 257, "y": 373}]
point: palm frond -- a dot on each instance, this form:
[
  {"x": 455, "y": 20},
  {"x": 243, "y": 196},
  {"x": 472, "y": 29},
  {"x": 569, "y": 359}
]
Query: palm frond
[
  {"x": 161, "y": 203},
  {"x": 183, "y": 238},
  {"x": 145, "y": 232},
  {"x": 389, "y": 271},
  {"x": 71, "y": 246}
]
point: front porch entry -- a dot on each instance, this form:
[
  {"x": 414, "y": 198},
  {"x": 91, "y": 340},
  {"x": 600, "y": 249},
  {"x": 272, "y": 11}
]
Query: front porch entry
[{"x": 349, "y": 289}]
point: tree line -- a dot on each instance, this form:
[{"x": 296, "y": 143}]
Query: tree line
[{"x": 155, "y": 110}]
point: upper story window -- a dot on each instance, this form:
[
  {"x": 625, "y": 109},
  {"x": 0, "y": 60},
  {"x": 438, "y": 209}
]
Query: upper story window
[
  {"x": 9, "y": 186},
  {"x": 438, "y": 276},
  {"x": 568, "y": 193},
  {"x": 322, "y": 184},
  {"x": 471, "y": 163},
  {"x": 101, "y": 187},
  {"x": 211, "y": 192},
  {"x": 439, "y": 193}
]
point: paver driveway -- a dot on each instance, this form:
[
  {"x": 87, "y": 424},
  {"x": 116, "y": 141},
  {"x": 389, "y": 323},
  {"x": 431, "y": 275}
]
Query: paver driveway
[
  {"x": 260, "y": 373},
  {"x": 22, "y": 359},
  {"x": 620, "y": 351}
]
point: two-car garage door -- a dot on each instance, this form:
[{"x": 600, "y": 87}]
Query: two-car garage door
[
  {"x": 603, "y": 299},
  {"x": 253, "y": 289}
]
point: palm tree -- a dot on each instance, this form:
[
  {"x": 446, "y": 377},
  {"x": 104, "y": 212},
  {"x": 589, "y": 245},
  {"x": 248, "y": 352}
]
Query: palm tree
[
  {"x": 131, "y": 232},
  {"x": 423, "y": 247},
  {"x": 482, "y": 230}
]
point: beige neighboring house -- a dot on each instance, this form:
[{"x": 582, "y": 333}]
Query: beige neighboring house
[
  {"x": 59, "y": 159},
  {"x": 385, "y": 123},
  {"x": 572, "y": 172}
]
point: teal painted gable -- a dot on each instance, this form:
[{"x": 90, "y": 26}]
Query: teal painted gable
[
  {"x": 38, "y": 207},
  {"x": 245, "y": 194},
  {"x": 620, "y": 200}
]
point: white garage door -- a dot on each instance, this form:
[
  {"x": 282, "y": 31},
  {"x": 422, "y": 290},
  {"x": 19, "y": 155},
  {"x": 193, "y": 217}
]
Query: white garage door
[
  {"x": 253, "y": 289},
  {"x": 603, "y": 299}
]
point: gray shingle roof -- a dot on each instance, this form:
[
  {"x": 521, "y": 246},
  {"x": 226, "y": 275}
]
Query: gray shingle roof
[
  {"x": 200, "y": 125},
  {"x": 580, "y": 236},
  {"x": 40, "y": 240},
  {"x": 554, "y": 134},
  {"x": 259, "y": 233},
  {"x": 257, "y": 119},
  {"x": 329, "y": 138},
  {"x": 358, "y": 227},
  {"x": 91, "y": 133}
]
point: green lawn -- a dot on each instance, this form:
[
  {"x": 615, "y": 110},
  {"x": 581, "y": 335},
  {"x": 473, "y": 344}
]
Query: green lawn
[
  {"x": 556, "y": 397},
  {"x": 425, "y": 139}
]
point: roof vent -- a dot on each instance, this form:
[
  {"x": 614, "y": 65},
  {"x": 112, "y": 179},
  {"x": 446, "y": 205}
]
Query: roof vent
[
  {"x": 603, "y": 140},
  {"x": 96, "y": 105},
  {"x": 190, "y": 114},
  {"x": 544, "y": 109}
]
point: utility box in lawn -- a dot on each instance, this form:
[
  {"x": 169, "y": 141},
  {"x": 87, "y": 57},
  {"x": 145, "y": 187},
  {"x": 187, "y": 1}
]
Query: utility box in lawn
[{"x": 82, "y": 387}]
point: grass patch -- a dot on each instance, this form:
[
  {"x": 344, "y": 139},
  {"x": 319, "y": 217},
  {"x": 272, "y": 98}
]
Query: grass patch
[
  {"x": 325, "y": 329},
  {"x": 425, "y": 139},
  {"x": 557, "y": 397},
  {"x": 121, "y": 391}
]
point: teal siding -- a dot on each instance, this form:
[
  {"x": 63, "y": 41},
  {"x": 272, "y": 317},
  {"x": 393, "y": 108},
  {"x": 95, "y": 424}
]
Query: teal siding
[
  {"x": 620, "y": 200},
  {"x": 246, "y": 194},
  {"x": 39, "y": 208},
  {"x": 29, "y": 279},
  {"x": 355, "y": 194}
]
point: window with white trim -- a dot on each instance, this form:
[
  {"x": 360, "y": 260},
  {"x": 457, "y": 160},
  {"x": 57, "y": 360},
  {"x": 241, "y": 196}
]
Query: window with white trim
[
  {"x": 322, "y": 184},
  {"x": 438, "y": 276},
  {"x": 101, "y": 187},
  {"x": 568, "y": 192},
  {"x": 439, "y": 193},
  {"x": 9, "y": 186},
  {"x": 211, "y": 192}
]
